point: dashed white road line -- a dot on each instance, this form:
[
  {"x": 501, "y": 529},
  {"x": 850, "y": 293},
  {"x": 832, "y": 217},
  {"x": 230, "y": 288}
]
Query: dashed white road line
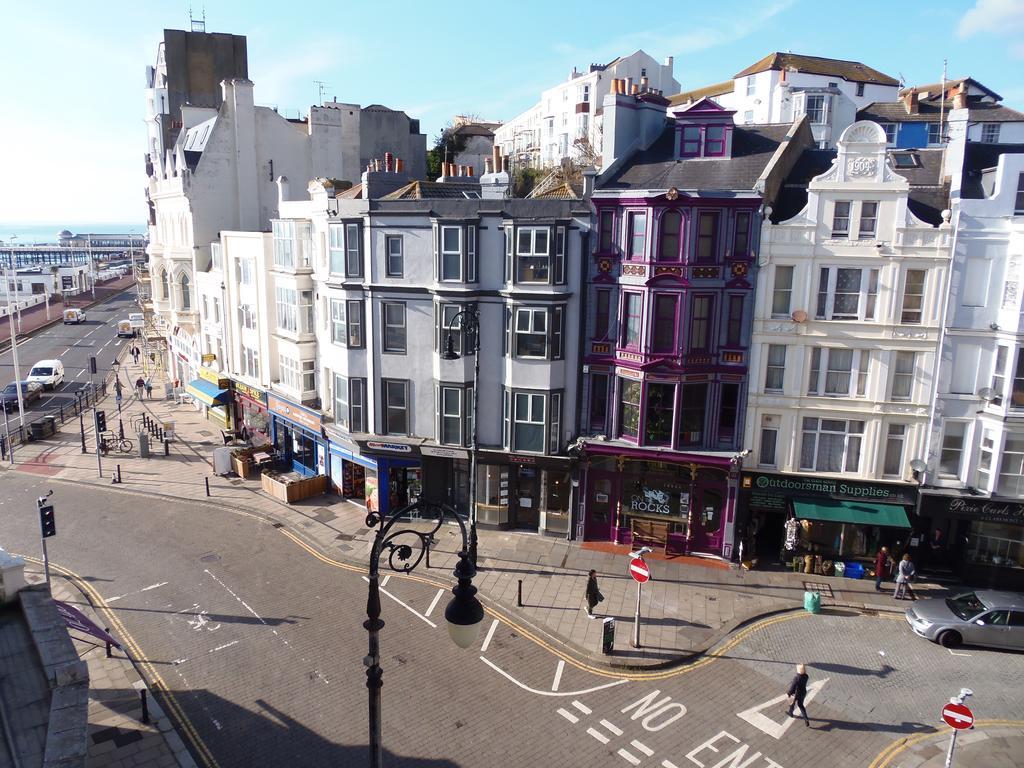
[
  {"x": 598, "y": 735},
  {"x": 582, "y": 707},
  {"x": 612, "y": 727},
  {"x": 527, "y": 688},
  {"x": 222, "y": 647},
  {"x": 567, "y": 715},
  {"x": 490, "y": 634},
  {"x": 434, "y": 602},
  {"x": 558, "y": 674},
  {"x": 136, "y": 592},
  {"x": 629, "y": 757},
  {"x": 642, "y": 747}
]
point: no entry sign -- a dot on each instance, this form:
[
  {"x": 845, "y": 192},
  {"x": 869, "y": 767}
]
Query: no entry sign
[
  {"x": 638, "y": 570},
  {"x": 958, "y": 716}
]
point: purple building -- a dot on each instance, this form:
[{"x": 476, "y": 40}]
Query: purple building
[{"x": 670, "y": 298}]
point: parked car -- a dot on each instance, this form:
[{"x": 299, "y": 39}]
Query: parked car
[
  {"x": 125, "y": 329},
  {"x": 74, "y": 315},
  {"x": 983, "y": 617},
  {"x": 137, "y": 319},
  {"x": 30, "y": 390},
  {"x": 49, "y": 373}
]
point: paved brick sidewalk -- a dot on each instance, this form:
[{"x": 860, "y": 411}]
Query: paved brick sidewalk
[
  {"x": 117, "y": 737},
  {"x": 690, "y": 604},
  {"x": 983, "y": 747}
]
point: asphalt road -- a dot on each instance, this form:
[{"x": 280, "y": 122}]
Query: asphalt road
[
  {"x": 261, "y": 644},
  {"x": 73, "y": 345}
]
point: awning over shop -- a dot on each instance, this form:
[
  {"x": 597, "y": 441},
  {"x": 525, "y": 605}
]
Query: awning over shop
[
  {"x": 859, "y": 512},
  {"x": 208, "y": 393}
]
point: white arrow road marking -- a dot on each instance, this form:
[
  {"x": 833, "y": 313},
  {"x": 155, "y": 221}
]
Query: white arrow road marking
[
  {"x": 764, "y": 723},
  {"x": 408, "y": 608},
  {"x": 558, "y": 674},
  {"x": 525, "y": 687},
  {"x": 956, "y": 653}
]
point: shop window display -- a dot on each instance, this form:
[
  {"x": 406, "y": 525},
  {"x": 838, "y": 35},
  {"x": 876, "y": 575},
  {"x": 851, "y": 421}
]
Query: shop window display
[{"x": 999, "y": 544}]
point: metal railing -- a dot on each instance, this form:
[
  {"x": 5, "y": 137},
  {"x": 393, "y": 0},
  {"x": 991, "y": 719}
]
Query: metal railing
[{"x": 85, "y": 398}]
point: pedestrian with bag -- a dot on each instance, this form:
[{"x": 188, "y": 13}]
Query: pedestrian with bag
[
  {"x": 798, "y": 692},
  {"x": 140, "y": 384},
  {"x": 905, "y": 572},
  {"x": 594, "y": 595},
  {"x": 149, "y": 388},
  {"x": 882, "y": 562}
]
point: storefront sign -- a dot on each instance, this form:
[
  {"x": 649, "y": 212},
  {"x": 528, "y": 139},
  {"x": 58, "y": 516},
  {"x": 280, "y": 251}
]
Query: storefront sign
[
  {"x": 214, "y": 377},
  {"x": 651, "y": 501},
  {"x": 768, "y": 491},
  {"x": 444, "y": 453},
  {"x": 208, "y": 358},
  {"x": 389, "y": 447},
  {"x": 988, "y": 510},
  {"x": 515, "y": 458},
  {"x": 251, "y": 392},
  {"x": 302, "y": 417}
]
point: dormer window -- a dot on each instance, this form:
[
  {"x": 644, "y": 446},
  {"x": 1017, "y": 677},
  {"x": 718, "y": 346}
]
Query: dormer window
[
  {"x": 714, "y": 140},
  {"x": 702, "y": 141}
]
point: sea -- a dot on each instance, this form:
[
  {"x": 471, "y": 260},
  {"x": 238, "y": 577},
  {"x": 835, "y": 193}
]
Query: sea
[{"x": 38, "y": 233}]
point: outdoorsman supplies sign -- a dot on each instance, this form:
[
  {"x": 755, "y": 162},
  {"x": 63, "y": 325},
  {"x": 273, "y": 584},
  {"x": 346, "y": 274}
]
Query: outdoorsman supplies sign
[{"x": 768, "y": 491}]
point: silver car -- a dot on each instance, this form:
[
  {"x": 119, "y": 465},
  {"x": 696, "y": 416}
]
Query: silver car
[{"x": 982, "y": 617}]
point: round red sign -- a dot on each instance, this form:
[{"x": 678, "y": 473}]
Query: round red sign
[
  {"x": 639, "y": 570},
  {"x": 957, "y": 716}
]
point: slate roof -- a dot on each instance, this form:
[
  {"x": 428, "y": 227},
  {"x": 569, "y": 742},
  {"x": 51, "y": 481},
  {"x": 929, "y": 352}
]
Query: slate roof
[
  {"x": 853, "y": 71},
  {"x": 929, "y": 192},
  {"x": 717, "y": 89},
  {"x": 433, "y": 190},
  {"x": 354, "y": 192},
  {"x": 934, "y": 89},
  {"x": 563, "y": 191},
  {"x": 657, "y": 168},
  {"x": 929, "y": 112},
  {"x": 979, "y": 157}
]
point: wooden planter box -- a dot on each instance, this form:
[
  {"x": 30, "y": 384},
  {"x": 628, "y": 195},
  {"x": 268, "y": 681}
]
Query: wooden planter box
[
  {"x": 293, "y": 490},
  {"x": 242, "y": 464}
]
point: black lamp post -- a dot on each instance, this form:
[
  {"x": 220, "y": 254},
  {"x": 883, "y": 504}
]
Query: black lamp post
[
  {"x": 463, "y": 614},
  {"x": 468, "y": 321}
]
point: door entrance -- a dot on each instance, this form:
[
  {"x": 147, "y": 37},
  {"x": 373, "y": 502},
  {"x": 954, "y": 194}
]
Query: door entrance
[
  {"x": 404, "y": 486},
  {"x": 708, "y": 511},
  {"x": 527, "y": 498},
  {"x": 602, "y": 491}
]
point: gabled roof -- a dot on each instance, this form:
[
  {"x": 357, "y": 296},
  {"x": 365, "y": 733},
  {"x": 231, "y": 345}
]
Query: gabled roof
[
  {"x": 934, "y": 90},
  {"x": 355, "y": 192},
  {"x": 657, "y": 167},
  {"x": 563, "y": 191},
  {"x": 696, "y": 94},
  {"x": 853, "y": 71},
  {"x": 705, "y": 104},
  {"x": 930, "y": 112},
  {"x": 432, "y": 190}
]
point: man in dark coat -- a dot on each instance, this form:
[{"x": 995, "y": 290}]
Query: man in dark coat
[
  {"x": 797, "y": 692},
  {"x": 594, "y": 595}
]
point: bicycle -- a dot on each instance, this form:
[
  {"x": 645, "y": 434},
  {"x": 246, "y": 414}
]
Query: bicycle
[{"x": 108, "y": 441}]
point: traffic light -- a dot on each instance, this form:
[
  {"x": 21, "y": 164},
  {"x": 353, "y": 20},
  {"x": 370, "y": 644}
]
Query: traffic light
[
  {"x": 47, "y": 522},
  {"x": 101, "y": 421}
]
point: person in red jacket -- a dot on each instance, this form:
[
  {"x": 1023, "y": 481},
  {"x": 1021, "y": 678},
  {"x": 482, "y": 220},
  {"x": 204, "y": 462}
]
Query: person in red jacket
[{"x": 881, "y": 567}]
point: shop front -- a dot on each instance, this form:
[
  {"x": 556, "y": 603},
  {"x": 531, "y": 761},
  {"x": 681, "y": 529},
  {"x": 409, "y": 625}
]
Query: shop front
[
  {"x": 297, "y": 435},
  {"x": 681, "y": 503},
  {"x": 787, "y": 517},
  {"x": 532, "y": 493},
  {"x": 353, "y": 475},
  {"x": 399, "y": 477},
  {"x": 213, "y": 391},
  {"x": 251, "y": 414},
  {"x": 185, "y": 360},
  {"x": 980, "y": 538}
]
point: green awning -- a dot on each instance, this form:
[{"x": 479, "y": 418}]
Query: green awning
[{"x": 859, "y": 512}]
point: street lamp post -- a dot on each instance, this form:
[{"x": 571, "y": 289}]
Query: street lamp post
[
  {"x": 405, "y": 549},
  {"x": 468, "y": 321}
]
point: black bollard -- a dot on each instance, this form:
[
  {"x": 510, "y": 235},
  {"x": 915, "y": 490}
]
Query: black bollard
[
  {"x": 519, "y": 596},
  {"x": 107, "y": 630},
  {"x": 81, "y": 426},
  {"x": 145, "y": 705},
  {"x": 208, "y": 488},
  {"x": 167, "y": 447}
]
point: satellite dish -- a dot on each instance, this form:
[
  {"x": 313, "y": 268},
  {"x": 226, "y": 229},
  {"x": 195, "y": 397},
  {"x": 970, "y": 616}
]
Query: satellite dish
[
  {"x": 987, "y": 394},
  {"x": 799, "y": 316},
  {"x": 918, "y": 466}
]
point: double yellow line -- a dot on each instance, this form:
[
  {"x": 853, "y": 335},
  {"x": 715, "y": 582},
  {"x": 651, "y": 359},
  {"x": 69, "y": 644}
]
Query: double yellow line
[
  {"x": 137, "y": 656},
  {"x": 887, "y": 755}
]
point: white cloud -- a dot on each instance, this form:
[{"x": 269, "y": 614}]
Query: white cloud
[{"x": 1001, "y": 18}]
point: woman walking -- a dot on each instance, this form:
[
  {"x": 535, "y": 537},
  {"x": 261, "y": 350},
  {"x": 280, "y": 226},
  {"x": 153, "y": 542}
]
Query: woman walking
[{"x": 594, "y": 595}]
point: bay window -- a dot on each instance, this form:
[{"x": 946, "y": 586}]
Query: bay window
[
  {"x": 692, "y": 409},
  {"x": 728, "y": 411},
  {"x": 289, "y": 372},
  {"x": 357, "y": 405},
  {"x": 602, "y": 313},
  {"x": 396, "y": 406},
  {"x": 670, "y": 236},
  {"x": 700, "y": 321},
  {"x": 999, "y": 373},
  {"x": 831, "y": 445},
  {"x": 532, "y": 254},
  {"x": 455, "y": 252},
  {"x": 606, "y": 231},
  {"x": 341, "y": 412},
  {"x": 355, "y": 323},
  {"x": 393, "y": 313},
  {"x": 629, "y": 408},
  {"x": 287, "y": 310},
  {"x": 292, "y": 244},
  {"x": 665, "y": 322},
  {"x": 599, "y": 402},
  {"x": 659, "y": 408},
  {"x": 707, "y": 236},
  {"x": 985, "y": 462},
  {"x": 734, "y": 324},
  {"x": 455, "y": 408},
  {"x": 903, "y": 375},
  {"x": 838, "y": 372},
  {"x": 913, "y": 297},
  {"x": 952, "y": 451},
  {"x": 846, "y": 294},
  {"x": 782, "y": 291},
  {"x": 632, "y": 320},
  {"x": 339, "y": 324},
  {"x": 528, "y": 422},
  {"x": 1017, "y": 394},
  {"x": 445, "y": 325},
  {"x": 741, "y": 237},
  {"x": 1011, "y": 468},
  {"x": 451, "y": 253},
  {"x": 636, "y": 240},
  {"x": 892, "y": 464},
  {"x": 775, "y": 370},
  {"x": 531, "y": 332}
]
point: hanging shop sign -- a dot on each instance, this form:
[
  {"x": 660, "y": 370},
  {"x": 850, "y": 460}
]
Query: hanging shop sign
[{"x": 214, "y": 377}]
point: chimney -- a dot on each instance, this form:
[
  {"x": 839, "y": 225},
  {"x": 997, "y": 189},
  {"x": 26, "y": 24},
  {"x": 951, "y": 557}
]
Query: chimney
[
  {"x": 470, "y": 170},
  {"x": 495, "y": 158},
  {"x": 910, "y": 101},
  {"x": 488, "y": 165},
  {"x": 399, "y": 165},
  {"x": 629, "y": 85},
  {"x": 378, "y": 182},
  {"x": 669, "y": 61},
  {"x": 387, "y": 161},
  {"x": 634, "y": 89},
  {"x": 960, "y": 97},
  {"x": 644, "y": 83},
  {"x": 495, "y": 184}
]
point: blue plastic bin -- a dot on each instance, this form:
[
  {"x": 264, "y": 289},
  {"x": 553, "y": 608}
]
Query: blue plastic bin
[{"x": 854, "y": 571}]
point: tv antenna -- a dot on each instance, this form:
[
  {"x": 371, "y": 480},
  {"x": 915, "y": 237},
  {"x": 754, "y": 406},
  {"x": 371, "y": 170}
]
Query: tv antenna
[
  {"x": 198, "y": 25},
  {"x": 321, "y": 85}
]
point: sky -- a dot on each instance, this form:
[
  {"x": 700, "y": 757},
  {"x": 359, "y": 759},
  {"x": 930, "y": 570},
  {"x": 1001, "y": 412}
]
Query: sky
[{"x": 72, "y": 138}]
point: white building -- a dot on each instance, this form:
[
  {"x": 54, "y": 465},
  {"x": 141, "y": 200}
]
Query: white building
[
  {"x": 973, "y": 507},
  {"x": 782, "y": 87},
  {"x": 545, "y": 133},
  {"x": 847, "y": 323}
]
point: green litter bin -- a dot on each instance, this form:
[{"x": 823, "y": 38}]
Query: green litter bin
[{"x": 812, "y": 602}]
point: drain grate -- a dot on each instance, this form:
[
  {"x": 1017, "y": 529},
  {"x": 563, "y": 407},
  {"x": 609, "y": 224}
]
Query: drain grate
[
  {"x": 815, "y": 586},
  {"x": 279, "y": 525}
]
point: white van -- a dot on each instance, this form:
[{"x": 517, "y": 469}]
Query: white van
[
  {"x": 49, "y": 373},
  {"x": 74, "y": 315}
]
